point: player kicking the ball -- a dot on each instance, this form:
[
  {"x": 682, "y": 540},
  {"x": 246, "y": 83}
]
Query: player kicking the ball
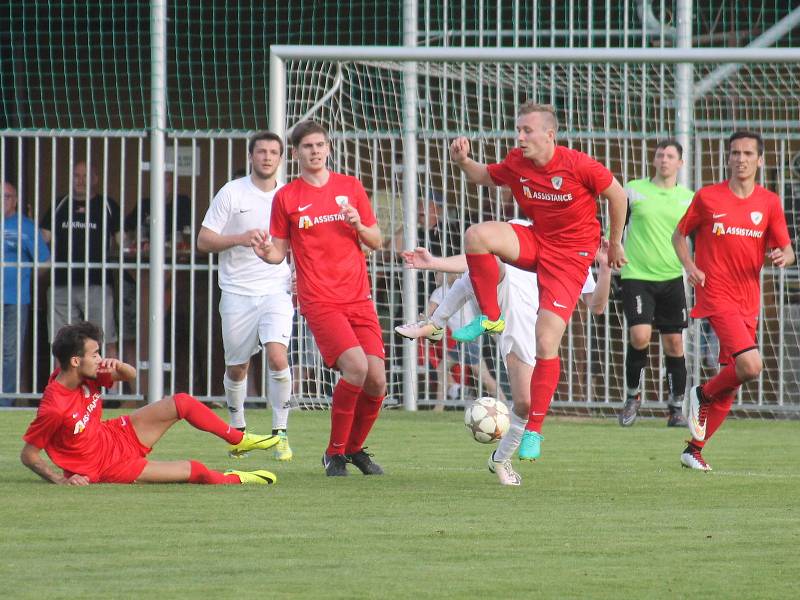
[
  {"x": 68, "y": 425},
  {"x": 519, "y": 301},
  {"x": 325, "y": 217},
  {"x": 556, "y": 187},
  {"x": 735, "y": 223}
]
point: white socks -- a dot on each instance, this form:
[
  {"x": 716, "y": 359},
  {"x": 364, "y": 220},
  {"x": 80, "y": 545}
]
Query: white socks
[
  {"x": 235, "y": 393},
  {"x": 279, "y": 387},
  {"x": 510, "y": 441}
]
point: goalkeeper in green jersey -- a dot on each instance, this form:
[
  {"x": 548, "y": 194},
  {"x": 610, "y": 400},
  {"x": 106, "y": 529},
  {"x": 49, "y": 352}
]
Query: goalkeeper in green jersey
[{"x": 652, "y": 282}]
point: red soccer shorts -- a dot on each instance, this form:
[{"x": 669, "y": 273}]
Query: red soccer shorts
[
  {"x": 561, "y": 272},
  {"x": 736, "y": 334},
  {"x": 126, "y": 459},
  {"x": 339, "y": 327}
]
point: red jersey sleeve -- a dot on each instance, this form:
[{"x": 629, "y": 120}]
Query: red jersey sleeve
[
  {"x": 692, "y": 217},
  {"x": 279, "y": 219},
  {"x": 47, "y": 422},
  {"x": 777, "y": 230},
  {"x": 363, "y": 205},
  {"x": 500, "y": 173},
  {"x": 593, "y": 174}
]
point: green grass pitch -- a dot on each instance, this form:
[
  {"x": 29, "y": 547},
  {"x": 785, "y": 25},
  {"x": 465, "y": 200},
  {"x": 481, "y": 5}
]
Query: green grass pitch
[{"x": 605, "y": 513}]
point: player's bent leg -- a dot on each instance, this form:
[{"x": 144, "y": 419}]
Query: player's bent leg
[
  {"x": 492, "y": 237},
  {"x": 483, "y": 242},
  {"x": 153, "y": 420}
]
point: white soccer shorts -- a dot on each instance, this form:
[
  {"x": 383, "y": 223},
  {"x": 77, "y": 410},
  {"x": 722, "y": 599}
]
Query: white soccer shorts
[
  {"x": 520, "y": 314},
  {"x": 248, "y": 322}
]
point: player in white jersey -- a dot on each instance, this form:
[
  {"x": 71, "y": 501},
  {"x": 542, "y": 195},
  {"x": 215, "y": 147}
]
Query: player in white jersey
[
  {"x": 256, "y": 304},
  {"x": 518, "y": 296}
]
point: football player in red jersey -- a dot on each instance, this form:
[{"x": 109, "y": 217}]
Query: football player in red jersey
[
  {"x": 735, "y": 223},
  {"x": 556, "y": 188},
  {"x": 325, "y": 218},
  {"x": 69, "y": 428}
]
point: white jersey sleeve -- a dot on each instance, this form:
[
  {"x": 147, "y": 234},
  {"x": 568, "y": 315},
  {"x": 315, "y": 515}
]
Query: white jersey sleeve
[{"x": 219, "y": 211}]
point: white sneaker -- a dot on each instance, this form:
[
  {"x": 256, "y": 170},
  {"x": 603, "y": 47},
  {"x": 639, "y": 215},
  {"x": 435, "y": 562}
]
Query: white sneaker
[
  {"x": 692, "y": 458},
  {"x": 423, "y": 328},
  {"x": 504, "y": 471},
  {"x": 694, "y": 411}
]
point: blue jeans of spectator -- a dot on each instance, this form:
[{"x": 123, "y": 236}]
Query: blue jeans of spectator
[{"x": 11, "y": 351}]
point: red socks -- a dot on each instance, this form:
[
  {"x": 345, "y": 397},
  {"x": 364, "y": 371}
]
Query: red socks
[
  {"x": 343, "y": 407},
  {"x": 544, "y": 381},
  {"x": 485, "y": 275},
  {"x": 367, "y": 410},
  {"x": 199, "y": 416},
  {"x": 717, "y": 411},
  {"x": 202, "y": 474},
  {"x": 722, "y": 383}
]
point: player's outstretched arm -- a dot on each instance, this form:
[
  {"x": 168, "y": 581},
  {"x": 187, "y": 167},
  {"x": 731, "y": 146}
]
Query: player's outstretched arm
[
  {"x": 31, "y": 457},
  {"x": 211, "y": 241},
  {"x": 475, "y": 172},
  {"x": 421, "y": 258},
  {"x": 693, "y": 275},
  {"x": 782, "y": 257},
  {"x": 617, "y": 211},
  {"x": 119, "y": 370},
  {"x": 270, "y": 250},
  {"x": 597, "y": 301}
]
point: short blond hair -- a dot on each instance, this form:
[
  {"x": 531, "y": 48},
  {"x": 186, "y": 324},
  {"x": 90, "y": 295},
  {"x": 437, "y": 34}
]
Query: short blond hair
[{"x": 534, "y": 107}]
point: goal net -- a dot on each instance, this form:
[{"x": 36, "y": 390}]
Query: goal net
[{"x": 614, "y": 112}]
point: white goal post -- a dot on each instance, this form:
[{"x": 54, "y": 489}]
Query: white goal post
[{"x": 391, "y": 111}]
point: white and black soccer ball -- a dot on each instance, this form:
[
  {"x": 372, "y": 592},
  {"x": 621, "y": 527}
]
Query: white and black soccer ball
[{"x": 486, "y": 420}]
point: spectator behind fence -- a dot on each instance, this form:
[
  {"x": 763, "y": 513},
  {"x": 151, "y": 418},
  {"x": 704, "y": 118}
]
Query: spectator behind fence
[
  {"x": 90, "y": 222},
  {"x": 137, "y": 223},
  {"x": 20, "y": 242}
]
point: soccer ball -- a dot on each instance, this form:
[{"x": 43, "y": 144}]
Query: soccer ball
[{"x": 486, "y": 420}]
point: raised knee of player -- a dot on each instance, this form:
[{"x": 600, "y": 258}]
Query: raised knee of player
[
  {"x": 475, "y": 241},
  {"x": 170, "y": 407}
]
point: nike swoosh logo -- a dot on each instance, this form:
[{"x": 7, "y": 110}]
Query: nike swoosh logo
[
  {"x": 718, "y": 215},
  {"x": 302, "y": 208},
  {"x": 523, "y": 179},
  {"x": 558, "y": 305},
  {"x": 245, "y": 211}
]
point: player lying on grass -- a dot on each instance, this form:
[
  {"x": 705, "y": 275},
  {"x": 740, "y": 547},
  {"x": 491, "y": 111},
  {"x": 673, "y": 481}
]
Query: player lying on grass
[
  {"x": 519, "y": 299},
  {"x": 68, "y": 425}
]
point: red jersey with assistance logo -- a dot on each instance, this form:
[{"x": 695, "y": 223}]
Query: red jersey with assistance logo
[
  {"x": 732, "y": 235},
  {"x": 68, "y": 426},
  {"x": 326, "y": 251},
  {"x": 560, "y": 197}
]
